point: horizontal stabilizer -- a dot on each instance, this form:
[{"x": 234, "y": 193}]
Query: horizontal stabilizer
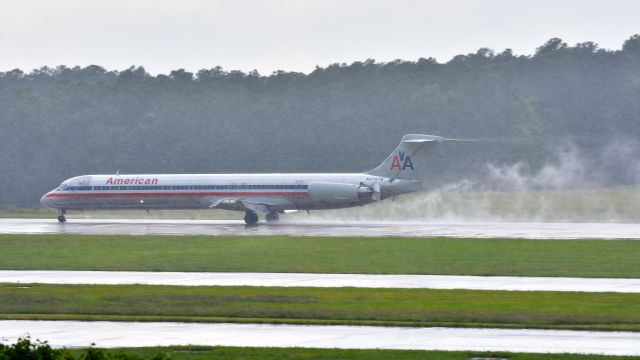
[{"x": 436, "y": 139}]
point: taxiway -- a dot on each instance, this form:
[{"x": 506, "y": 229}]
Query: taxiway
[{"x": 508, "y": 283}]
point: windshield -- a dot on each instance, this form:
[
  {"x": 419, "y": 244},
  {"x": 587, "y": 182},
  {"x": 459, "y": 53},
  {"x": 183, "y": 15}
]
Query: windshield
[{"x": 65, "y": 184}]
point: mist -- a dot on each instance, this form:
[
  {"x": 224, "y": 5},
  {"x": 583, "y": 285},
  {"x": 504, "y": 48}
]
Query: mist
[{"x": 572, "y": 186}]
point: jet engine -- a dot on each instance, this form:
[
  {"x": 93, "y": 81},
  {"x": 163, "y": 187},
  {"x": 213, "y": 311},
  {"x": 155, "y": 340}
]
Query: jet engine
[{"x": 339, "y": 192}]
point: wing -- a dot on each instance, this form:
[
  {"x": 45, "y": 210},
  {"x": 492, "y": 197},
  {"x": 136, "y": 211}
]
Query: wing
[{"x": 263, "y": 205}]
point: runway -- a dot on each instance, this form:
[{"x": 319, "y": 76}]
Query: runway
[
  {"x": 613, "y": 231},
  {"x": 138, "y": 334},
  {"x": 507, "y": 283}
]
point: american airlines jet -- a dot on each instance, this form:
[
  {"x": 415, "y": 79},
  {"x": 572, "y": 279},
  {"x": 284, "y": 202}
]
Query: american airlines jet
[{"x": 269, "y": 194}]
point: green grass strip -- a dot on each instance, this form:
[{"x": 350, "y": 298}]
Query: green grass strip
[
  {"x": 359, "y": 306},
  {"x": 253, "y": 353},
  {"x": 387, "y": 255}
]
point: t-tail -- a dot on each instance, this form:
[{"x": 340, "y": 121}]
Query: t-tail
[{"x": 404, "y": 162}]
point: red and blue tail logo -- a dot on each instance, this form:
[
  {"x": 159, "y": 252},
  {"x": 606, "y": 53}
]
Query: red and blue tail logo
[{"x": 401, "y": 161}]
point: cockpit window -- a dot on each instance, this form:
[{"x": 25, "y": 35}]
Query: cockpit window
[{"x": 64, "y": 185}]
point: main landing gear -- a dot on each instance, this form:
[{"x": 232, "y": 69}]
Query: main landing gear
[
  {"x": 251, "y": 218},
  {"x": 272, "y": 217},
  {"x": 61, "y": 217}
]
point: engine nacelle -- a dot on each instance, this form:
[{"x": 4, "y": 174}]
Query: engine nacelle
[{"x": 334, "y": 192}]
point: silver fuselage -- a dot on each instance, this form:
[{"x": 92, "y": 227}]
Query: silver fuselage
[{"x": 200, "y": 191}]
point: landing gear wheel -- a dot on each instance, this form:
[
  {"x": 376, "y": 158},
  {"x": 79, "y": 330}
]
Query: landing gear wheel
[
  {"x": 250, "y": 218},
  {"x": 61, "y": 217},
  {"x": 272, "y": 217}
]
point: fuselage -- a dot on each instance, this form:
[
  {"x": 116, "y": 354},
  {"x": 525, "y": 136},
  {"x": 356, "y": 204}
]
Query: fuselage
[
  {"x": 269, "y": 194},
  {"x": 277, "y": 192}
]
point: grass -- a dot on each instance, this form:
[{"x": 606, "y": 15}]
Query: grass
[
  {"x": 355, "y": 306},
  {"x": 390, "y": 255},
  {"x": 253, "y": 353},
  {"x": 27, "y": 213}
]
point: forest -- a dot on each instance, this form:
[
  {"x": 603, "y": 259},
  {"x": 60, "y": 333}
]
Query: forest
[{"x": 59, "y": 122}]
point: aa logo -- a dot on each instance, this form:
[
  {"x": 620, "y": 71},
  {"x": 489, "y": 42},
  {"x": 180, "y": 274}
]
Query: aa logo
[{"x": 401, "y": 162}]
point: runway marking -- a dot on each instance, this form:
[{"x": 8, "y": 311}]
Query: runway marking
[
  {"x": 138, "y": 334},
  {"x": 505, "y": 283}
]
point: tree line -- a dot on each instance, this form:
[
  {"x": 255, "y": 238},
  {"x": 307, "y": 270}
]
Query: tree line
[{"x": 60, "y": 122}]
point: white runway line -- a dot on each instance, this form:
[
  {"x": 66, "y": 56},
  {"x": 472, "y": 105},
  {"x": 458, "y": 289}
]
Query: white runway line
[
  {"x": 138, "y": 334},
  {"x": 511, "y": 283},
  {"x": 612, "y": 231}
]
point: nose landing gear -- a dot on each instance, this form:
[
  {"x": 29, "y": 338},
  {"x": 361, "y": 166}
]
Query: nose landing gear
[{"x": 61, "y": 217}]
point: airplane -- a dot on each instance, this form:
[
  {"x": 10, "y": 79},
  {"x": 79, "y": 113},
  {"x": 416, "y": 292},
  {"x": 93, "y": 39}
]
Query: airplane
[{"x": 269, "y": 194}]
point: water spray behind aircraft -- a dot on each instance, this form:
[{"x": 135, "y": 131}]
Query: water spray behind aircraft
[{"x": 571, "y": 187}]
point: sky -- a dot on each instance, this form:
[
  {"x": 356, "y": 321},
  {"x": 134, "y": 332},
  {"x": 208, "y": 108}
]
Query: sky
[{"x": 293, "y": 35}]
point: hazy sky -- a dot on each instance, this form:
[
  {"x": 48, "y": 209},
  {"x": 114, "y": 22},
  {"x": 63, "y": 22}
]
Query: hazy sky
[{"x": 294, "y": 35}]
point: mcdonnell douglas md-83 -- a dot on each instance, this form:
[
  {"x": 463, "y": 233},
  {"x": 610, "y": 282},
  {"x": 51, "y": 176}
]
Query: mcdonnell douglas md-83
[{"x": 270, "y": 194}]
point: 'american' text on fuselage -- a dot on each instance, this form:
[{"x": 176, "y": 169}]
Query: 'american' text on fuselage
[{"x": 131, "y": 181}]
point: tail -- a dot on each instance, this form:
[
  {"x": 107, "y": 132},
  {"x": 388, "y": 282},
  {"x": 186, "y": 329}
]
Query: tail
[{"x": 401, "y": 163}]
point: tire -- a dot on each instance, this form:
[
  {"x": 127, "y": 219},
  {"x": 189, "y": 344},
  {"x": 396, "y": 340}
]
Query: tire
[
  {"x": 273, "y": 217},
  {"x": 61, "y": 218},
  {"x": 250, "y": 218}
]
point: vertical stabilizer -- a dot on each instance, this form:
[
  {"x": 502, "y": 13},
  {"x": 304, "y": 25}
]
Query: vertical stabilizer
[{"x": 403, "y": 162}]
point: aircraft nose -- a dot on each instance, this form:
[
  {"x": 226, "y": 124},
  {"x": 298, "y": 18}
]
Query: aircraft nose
[{"x": 44, "y": 200}]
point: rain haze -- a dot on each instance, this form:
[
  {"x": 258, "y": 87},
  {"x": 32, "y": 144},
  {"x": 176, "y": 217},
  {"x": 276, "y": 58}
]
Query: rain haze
[
  {"x": 292, "y": 35},
  {"x": 549, "y": 88},
  {"x": 356, "y": 172}
]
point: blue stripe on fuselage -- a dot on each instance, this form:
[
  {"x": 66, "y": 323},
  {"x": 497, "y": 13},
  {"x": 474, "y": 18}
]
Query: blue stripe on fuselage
[{"x": 184, "y": 187}]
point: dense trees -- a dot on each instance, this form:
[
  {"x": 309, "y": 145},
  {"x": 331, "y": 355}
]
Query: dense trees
[{"x": 60, "y": 122}]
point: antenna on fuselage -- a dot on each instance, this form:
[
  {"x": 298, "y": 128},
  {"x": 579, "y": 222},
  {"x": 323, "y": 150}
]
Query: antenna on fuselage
[{"x": 117, "y": 172}]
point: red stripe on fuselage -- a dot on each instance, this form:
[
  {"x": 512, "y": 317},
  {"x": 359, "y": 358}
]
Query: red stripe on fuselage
[{"x": 230, "y": 193}]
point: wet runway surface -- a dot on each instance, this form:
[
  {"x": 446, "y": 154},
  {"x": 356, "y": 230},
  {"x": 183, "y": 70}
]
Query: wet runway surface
[
  {"x": 324, "y": 228},
  {"x": 322, "y": 280},
  {"x": 135, "y": 334}
]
